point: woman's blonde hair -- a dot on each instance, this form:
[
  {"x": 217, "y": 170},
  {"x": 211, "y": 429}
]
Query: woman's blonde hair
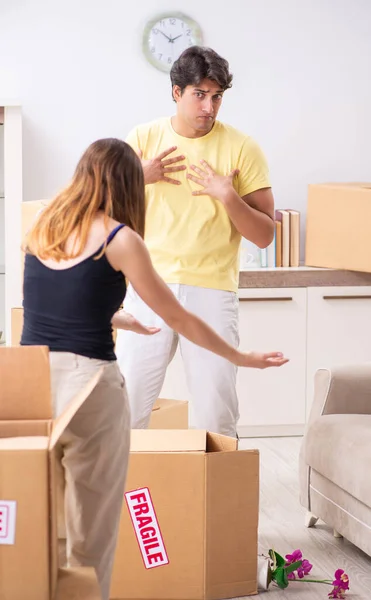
[{"x": 108, "y": 177}]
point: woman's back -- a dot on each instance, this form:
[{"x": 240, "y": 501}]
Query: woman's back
[{"x": 68, "y": 305}]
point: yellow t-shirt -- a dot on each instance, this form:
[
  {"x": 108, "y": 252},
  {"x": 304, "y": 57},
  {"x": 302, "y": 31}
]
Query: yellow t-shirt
[{"x": 191, "y": 239}]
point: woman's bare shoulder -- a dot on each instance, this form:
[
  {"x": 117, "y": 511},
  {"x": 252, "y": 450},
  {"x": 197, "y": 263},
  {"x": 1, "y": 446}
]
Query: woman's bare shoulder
[{"x": 126, "y": 242}]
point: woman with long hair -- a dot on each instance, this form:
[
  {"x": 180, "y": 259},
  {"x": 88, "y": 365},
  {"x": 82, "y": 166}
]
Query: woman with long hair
[{"x": 79, "y": 253}]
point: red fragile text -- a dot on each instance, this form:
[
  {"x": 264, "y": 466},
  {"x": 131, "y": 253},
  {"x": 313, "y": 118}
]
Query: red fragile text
[{"x": 146, "y": 528}]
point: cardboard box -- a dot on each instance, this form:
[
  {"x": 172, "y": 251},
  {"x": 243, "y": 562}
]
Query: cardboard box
[
  {"x": 338, "y": 230},
  {"x": 16, "y": 325},
  {"x": 169, "y": 414},
  {"x": 30, "y": 212},
  {"x": 166, "y": 414},
  {"x": 28, "y": 437},
  {"x": 77, "y": 584},
  {"x": 189, "y": 524}
]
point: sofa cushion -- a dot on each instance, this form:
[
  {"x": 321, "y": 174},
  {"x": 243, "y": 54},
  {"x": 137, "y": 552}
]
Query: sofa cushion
[{"x": 339, "y": 448}]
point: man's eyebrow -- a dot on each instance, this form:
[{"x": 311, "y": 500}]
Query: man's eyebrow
[{"x": 207, "y": 91}]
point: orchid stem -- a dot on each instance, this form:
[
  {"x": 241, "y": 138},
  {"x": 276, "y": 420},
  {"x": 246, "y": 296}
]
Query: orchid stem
[{"x": 327, "y": 581}]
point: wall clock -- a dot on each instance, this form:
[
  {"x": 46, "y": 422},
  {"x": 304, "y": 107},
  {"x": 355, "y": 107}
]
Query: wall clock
[{"x": 166, "y": 36}]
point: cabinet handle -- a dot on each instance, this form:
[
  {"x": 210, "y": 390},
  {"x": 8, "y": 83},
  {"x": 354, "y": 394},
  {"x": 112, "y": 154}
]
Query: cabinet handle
[
  {"x": 357, "y": 297},
  {"x": 258, "y": 299}
]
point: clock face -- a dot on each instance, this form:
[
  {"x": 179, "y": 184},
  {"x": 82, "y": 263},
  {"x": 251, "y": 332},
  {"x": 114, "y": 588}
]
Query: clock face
[{"x": 167, "y": 36}]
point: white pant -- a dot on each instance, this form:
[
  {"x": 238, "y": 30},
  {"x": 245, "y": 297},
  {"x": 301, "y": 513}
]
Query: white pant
[{"x": 211, "y": 380}]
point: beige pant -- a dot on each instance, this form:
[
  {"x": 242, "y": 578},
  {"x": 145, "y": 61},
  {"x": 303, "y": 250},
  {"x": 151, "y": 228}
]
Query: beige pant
[
  {"x": 95, "y": 452},
  {"x": 211, "y": 380}
]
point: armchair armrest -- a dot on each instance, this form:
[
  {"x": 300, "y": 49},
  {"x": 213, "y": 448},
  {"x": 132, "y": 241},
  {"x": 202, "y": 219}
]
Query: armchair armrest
[{"x": 342, "y": 390}]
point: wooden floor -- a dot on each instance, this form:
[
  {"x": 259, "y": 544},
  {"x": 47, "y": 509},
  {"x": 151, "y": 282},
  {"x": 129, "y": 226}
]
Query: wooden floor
[{"x": 282, "y": 526}]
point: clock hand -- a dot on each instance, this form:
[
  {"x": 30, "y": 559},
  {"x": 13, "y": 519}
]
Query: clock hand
[
  {"x": 167, "y": 37},
  {"x": 178, "y": 36}
]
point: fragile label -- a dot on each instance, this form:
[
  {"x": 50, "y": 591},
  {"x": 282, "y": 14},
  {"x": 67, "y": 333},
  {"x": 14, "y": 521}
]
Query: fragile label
[
  {"x": 147, "y": 529},
  {"x": 8, "y": 513}
]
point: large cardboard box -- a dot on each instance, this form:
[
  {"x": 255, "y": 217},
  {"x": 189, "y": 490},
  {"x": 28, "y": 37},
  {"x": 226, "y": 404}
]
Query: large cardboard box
[
  {"x": 169, "y": 414},
  {"x": 28, "y": 438},
  {"x": 189, "y": 523},
  {"x": 338, "y": 226},
  {"x": 77, "y": 584}
]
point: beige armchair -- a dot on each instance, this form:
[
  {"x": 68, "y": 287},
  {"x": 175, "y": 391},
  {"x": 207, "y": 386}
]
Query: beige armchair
[{"x": 335, "y": 456}]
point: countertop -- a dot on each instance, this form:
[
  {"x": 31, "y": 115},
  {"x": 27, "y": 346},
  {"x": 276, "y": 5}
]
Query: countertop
[{"x": 282, "y": 277}]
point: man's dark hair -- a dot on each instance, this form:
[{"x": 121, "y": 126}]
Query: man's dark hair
[{"x": 198, "y": 63}]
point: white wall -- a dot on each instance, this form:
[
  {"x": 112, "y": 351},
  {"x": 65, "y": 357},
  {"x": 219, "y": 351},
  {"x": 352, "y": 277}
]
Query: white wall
[{"x": 302, "y": 82}]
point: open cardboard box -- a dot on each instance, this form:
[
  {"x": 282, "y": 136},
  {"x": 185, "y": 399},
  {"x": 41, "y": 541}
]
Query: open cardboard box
[
  {"x": 166, "y": 414},
  {"x": 77, "y": 584},
  {"x": 189, "y": 522},
  {"x": 28, "y": 438}
]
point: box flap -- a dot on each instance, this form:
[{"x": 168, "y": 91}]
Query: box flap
[
  {"x": 168, "y": 440},
  {"x": 79, "y": 583},
  {"x": 24, "y": 443},
  {"x": 221, "y": 443},
  {"x": 60, "y": 424},
  {"x": 169, "y": 414},
  {"x": 232, "y": 518},
  {"x": 359, "y": 184},
  {"x": 346, "y": 184},
  {"x": 162, "y": 403},
  {"x": 24, "y": 428},
  {"x": 25, "y": 383}
]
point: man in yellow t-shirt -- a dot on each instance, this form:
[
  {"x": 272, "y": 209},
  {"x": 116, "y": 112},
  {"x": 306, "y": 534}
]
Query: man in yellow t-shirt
[{"x": 207, "y": 185}]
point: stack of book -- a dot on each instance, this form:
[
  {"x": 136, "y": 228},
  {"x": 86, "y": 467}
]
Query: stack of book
[{"x": 284, "y": 251}]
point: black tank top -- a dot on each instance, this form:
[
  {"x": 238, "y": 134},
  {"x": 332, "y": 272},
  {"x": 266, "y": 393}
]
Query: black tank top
[{"x": 70, "y": 310}]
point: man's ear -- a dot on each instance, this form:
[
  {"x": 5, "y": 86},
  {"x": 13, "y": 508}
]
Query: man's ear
[{"x": 177, "y": 93}]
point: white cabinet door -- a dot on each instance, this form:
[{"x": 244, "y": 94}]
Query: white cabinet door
[
  {"x": 272, "y": 401},
  {"x": 339, "y": 329}
]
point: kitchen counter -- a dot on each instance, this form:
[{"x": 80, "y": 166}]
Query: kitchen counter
[{"x": 301, "y": 277}]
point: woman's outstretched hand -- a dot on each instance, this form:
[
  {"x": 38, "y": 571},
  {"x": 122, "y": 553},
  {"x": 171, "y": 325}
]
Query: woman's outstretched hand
[
  {"x": 261, "y": 360},
  {"x": 124, "y": 320}
]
